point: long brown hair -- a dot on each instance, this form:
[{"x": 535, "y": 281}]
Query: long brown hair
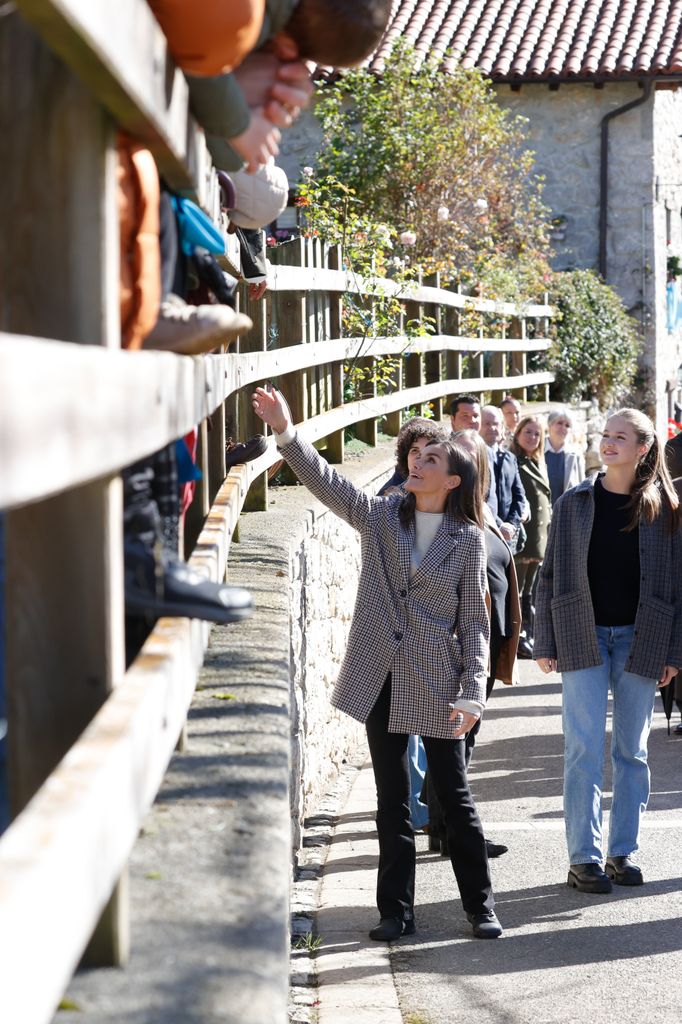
[
  {"x": 463, "y": 503},
  {"x": 538, "y": 456},
  {"x": 481, "y": 459},
  {"x": 653, "y": 492}
]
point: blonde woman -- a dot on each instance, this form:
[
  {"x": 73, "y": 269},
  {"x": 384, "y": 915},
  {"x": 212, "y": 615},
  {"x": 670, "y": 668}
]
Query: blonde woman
[
  {"x": 565, "y": 468},
  {"x": 609, "y": 617},
  {"x": 528, "y": 445}
]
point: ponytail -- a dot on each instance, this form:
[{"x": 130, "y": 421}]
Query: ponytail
[{"x": 653, "y": 493}]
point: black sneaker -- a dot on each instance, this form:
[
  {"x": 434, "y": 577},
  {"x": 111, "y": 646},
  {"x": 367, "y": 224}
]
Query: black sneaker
[
  {"x": 391, "y": 928},
  {"x": 238, "y": 452},
  {"x": 623, "y": 871},
  {"x": 588, "y": 878},
  {"x": 485, "y": 925},
  {"x": 495, "y": 849}
]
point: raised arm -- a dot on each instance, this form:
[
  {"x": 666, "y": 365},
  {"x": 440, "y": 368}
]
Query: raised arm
[{"x": 337, "y": 493}]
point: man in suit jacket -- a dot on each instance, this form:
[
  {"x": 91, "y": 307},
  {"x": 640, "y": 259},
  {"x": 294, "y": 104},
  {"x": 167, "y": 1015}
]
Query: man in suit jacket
[{"x": 511, "y": 497}]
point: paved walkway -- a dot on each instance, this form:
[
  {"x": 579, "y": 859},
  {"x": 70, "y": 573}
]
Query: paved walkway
[{"x": 565, "y": 956}]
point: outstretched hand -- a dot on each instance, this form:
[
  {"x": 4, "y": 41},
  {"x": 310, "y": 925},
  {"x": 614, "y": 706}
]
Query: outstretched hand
[{"x": 272, "y": 409}]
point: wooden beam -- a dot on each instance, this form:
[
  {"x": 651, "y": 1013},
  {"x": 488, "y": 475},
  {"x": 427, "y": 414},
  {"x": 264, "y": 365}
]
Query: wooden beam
[
  {"x": 292, "y": 278},
  {"x": 120, "y": 53},
  {"x": 102, "y": 410}
]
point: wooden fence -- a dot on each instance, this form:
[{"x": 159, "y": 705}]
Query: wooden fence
[{"x": 89, "y": 742}]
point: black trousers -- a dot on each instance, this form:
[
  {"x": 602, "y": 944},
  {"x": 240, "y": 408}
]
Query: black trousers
[
  {"x": 448, "y": 776},
  {"x": 495, "y": 644}
]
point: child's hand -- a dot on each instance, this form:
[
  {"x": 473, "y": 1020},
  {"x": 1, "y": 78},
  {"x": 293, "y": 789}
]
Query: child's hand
[
  {"x": 258, "y": 143},
  {"x": 292, "y": 90},
  {"x": 272, "y": 409},
  {"x": 279, "y": 88}
]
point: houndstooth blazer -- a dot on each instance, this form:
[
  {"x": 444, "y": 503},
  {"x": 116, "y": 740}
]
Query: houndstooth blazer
[
  {"x": 430, "y": 632},
  {"x": 564, "y": 616}
]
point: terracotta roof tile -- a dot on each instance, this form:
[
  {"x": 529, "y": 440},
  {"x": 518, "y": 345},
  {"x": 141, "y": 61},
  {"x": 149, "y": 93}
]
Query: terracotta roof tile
[{"x": 542, "y": 40}]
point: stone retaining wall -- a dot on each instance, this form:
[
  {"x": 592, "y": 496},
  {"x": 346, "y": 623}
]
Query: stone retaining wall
[{"x": 322, "y": 555}]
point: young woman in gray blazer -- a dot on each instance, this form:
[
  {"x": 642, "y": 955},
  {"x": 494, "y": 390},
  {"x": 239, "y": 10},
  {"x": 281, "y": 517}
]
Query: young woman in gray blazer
[
  {"x": 609, "y": 617},
  {"x": 417, "y": 653}
]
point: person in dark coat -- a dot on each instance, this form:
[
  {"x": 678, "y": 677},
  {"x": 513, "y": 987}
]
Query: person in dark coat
[
  {"x": 610, "y": 618},
  {"x": 511, "y": 499},
  {"x": 528, "y": 444},
  {"x": 417, "y": 653}
]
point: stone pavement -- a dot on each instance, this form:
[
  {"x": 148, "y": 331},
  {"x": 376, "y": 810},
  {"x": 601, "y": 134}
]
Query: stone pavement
[{"x": 565, "y": 956}]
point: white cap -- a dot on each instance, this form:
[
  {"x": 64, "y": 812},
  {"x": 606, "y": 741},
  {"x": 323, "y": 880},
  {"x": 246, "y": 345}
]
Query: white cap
[{"x": 259, "y": 197}]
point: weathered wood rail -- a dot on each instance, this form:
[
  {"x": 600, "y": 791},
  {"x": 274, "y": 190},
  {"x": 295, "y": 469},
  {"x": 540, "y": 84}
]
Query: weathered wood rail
[{"x": 88, "y": 741}]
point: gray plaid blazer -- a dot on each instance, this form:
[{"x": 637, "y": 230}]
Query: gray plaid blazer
[
  {"x": 564, "y": 616},
  {"x": 430, "y": 632}
]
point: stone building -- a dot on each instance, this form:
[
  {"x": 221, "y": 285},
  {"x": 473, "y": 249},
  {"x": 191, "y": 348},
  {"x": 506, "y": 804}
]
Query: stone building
[{"x": 598, "y": 83}]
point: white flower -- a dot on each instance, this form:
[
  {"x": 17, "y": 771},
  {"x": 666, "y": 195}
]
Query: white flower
[
  {"x": 307, "y": 172},
  {"x": 384, "y": 235},
  {"x": 397, "y": 263},
  {"x": 481, "y": 205},
  {"x": 442, "y": 215},
  {"x": 408, "y": 238}
]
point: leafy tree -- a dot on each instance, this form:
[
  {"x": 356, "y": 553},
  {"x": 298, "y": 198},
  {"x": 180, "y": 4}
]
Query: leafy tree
[
  {"x": 432, "y": 157},
  {"x": 595, "y": 342}
]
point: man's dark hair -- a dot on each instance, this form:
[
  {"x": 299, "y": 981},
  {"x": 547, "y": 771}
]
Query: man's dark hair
[
  {"x": 507, "y": 400},
  {"x": 412, "y": 431},
  {"x": 462, "y": 400},
  {"x": 338, "y": 33}
]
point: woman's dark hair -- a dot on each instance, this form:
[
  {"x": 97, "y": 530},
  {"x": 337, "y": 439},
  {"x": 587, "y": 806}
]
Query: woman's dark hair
[
  {"x": 482, "y": 460},
  {"x": 653, "y": 491},
  {"x": 464, "y": 503},
  {"x": 414, "y": 430}
]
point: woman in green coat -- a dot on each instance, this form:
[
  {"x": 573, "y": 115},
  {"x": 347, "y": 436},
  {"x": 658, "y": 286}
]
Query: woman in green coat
[{"x": 528, "y": 445}]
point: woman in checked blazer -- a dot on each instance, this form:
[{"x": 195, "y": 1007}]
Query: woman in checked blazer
[
  {"x": 609, "y": 617},
  {"x": 416, "y": 661}
]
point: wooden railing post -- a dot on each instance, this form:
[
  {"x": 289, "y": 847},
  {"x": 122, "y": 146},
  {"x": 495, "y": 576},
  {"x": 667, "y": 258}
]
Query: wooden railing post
[
  {"x": 517, "y": 329},
  {"x": 450, "y": 320},
  {"x": 433, "y": 361},
  {"x": 414, "y": 363},
  {"x": 64, "y": 596},
  {"x": 335, "y": 441},
  {"x": 292, "y": 329}
]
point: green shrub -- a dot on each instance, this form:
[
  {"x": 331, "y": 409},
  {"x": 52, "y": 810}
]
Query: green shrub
[{"x": 595, "y": 343}]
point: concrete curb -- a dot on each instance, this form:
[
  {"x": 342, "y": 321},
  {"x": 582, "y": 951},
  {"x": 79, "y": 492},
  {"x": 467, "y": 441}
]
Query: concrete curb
[{"x": 354, "y": 973}]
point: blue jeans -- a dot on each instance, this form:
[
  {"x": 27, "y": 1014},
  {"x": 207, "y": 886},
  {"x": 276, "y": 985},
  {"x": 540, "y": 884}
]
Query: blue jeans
[
  {"x": 585, "y": 697},
  {"x": 419, "y": 812}
]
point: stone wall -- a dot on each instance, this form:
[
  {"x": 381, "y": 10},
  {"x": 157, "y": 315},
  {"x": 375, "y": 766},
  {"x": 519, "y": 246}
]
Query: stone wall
[
  {"x": 300, "y": 549},
  {"x": 666, "y": 240},
  {"x": 325, "y": 567}
]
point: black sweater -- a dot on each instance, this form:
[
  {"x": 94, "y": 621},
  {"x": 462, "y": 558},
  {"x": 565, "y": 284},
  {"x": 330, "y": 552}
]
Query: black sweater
[{"x": 613, "y": 560}]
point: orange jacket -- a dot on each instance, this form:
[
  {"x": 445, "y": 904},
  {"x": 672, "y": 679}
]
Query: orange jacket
[
  {"x": 208, "y": 37},
  {"x": 138, "y": 210}
]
